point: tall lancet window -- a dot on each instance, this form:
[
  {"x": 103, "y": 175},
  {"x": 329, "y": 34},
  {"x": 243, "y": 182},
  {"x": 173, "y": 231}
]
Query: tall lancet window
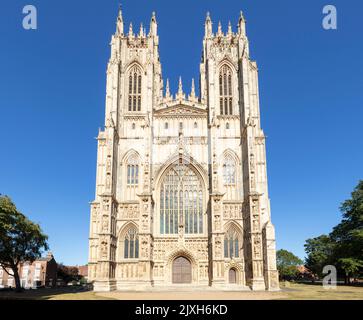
[
  {"x": 231, "y": 243},
  {"x": 131, "y": 244},
  {"x": 134, "y": 103},
  {"x": 181, "y": 201},
  {"x": 225, "y": 91},
  {"x": 133, "y": 171},
  {"x": 229, "y": 171}
]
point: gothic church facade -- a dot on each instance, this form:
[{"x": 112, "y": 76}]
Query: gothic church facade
[{"x": 181, "y": 186}]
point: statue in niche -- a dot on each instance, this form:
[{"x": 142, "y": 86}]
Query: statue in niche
[
  {"x": 217, "y": 222},
  {"x": 257, "y": 248},
  {"x": 108, "y": 164},
  {"x": 108, "y": 181},
  {"x": 218, "y": 246},
  {"x": 252, "y": 162},
  {"x": 255, "y": 225},
  {"x": 104, "y": 247},
  {"x": 104, "y": 224}
]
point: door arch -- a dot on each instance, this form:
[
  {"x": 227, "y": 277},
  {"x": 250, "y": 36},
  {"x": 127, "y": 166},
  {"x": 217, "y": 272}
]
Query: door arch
[
  {"x": 232, "y": 276},
  {"x": 182, "y": 271}
]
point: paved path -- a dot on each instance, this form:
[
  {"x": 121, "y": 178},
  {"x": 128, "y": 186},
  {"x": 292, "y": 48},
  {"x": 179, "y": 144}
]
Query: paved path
[{"x": 218, "y": 295}]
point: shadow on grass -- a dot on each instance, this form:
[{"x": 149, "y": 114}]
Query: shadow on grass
[{"x": 43, "y": 293}]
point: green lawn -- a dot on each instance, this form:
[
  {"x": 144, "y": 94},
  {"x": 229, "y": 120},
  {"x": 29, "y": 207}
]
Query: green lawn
[{"x": 289, "y": 292}]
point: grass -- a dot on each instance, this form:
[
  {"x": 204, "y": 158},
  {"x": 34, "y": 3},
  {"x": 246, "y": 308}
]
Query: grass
[{"x": 288, "y": 292}]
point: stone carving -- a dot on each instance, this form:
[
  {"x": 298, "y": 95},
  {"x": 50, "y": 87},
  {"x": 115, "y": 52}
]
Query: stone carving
[
  {"x": 144, "y": 247},
  {"x": 218, "y": 247},
  {"x": 145, "y": 221},
  {"x": 106, "y": 204},
  {"x": 232, "y": 211},
  {"x": 104, "y": 224},
  {"x": 129, "y": 211},
  {"x": 217, "y": 222},
  {"x": 104, "y": 249},
  {"x": 257, "y": 247}
]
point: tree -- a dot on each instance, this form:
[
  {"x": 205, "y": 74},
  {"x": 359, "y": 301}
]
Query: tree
[
  {"x": 350, "y": 267},
  {"x": 319, "y": 253},
  {"x": 343, "y": 246},
  {"x": 20, "y": 239},
  {"x": 287, "y": 264},
  {"x": 67, "y": 274},
  {"x": 349, "y": 233}
]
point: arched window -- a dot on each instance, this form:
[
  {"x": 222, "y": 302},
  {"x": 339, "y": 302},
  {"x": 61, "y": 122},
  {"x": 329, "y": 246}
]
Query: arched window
[
  {"x": 229, "y": 171},
  {"x": 231, "y": 244},
  {"x": 132, "y": 171},
  {"x": 131, "y": 244},
  {"x": 166, "y": 125},
  {"x": 225, "y": 91},
  {"x": 134, "y": 102},
  {"x": 181, "y": 201}
]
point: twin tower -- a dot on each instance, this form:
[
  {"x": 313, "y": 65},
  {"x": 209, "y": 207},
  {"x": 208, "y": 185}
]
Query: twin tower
[{"x": 181, "y": 187}]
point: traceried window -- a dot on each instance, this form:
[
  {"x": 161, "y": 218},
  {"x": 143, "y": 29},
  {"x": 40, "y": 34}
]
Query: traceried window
[
  {"x": 225, "y": 91},
  {"x": 132, "y": 171},
  {"x": 231, "y": 244},
  {"x": 134, "y": 103},
  {"x": 181, "y": 201},
  {"x": 131, "y": 244},
  {"x": 229, "y": 171},
  {"x": 132, "y": 174}
]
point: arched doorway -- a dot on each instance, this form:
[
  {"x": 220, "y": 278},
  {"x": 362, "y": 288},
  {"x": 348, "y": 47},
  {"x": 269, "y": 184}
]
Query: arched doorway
[
  {"x": 182, "y": 270},
  {"x": 232, "y": 276}
]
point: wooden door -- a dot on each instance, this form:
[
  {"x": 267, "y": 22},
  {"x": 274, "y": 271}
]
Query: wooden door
[
  {"x": 182, "y": 270},
  {"x": 232, "y": 276}
]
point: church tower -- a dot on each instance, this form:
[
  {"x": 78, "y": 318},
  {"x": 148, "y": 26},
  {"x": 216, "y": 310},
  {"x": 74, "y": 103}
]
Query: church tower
[{"x": 181, "y": 186}]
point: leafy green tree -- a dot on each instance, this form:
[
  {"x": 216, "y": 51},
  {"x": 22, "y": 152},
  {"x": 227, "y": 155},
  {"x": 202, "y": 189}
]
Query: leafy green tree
[
  {"x": 343, "y": 247},
  {"x": 350, "y": 267},
  {"x": 287, "y": 264},
  {"x": 20, "y": 239},
  {"x": 320, "y": 252},
  {"x": 349, "y": 233}
]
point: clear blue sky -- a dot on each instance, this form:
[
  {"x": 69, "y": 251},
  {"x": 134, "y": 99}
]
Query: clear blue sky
[{"x": 52, "y": 92}]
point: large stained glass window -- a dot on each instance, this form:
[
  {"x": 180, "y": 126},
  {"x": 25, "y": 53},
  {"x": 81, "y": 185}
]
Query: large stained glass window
[{"x": 181, "y": 201}]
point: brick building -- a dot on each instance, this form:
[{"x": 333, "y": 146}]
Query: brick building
[{"x": 41, "y": 273}]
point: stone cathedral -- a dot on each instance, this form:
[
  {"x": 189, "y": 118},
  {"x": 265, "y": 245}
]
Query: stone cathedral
[{"x": 181, "y": 186}]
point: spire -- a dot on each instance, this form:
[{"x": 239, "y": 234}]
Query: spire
[
  {"x": 180, "y": 95},
  {"x": 208, "y": 26},
  {"x": 141, "y": 33},
  {"x": 153, "y": 25},
  {"x": 192, "y": 92},
  {"x": 180, "y": 88},
  {"x": 167, "y": 91},
  {"x": 219, "y": 33},
  {"x": 120, "y": 22},
  {"x": 241, "y": 25},
  {"x": 131, "y": 33},
  {"x": 229, "y": 28}
]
